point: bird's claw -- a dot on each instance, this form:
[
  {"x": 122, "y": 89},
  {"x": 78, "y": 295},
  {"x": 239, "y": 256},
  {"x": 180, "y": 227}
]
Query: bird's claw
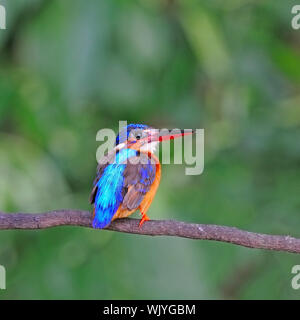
[{"x": 144, "y": 218}]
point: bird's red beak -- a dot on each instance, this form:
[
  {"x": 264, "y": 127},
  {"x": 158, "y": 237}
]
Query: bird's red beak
[{"x": 157, "y": 136}]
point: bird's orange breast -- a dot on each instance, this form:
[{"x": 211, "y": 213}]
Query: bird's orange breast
[{"x": 145, "y": 204}]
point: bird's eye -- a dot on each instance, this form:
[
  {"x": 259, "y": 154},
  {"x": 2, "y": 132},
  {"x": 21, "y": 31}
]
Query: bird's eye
[{"x": 136, "y": 135}]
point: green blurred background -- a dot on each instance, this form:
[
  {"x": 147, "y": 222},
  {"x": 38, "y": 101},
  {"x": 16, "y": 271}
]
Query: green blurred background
[{"x": 69, "y": 68}]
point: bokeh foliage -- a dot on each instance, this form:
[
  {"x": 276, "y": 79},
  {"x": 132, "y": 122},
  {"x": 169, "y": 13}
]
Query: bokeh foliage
[{"x": 69, "y": 68}]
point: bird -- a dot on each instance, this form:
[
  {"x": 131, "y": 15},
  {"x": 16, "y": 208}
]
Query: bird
[{"x": 129, "y": 175}]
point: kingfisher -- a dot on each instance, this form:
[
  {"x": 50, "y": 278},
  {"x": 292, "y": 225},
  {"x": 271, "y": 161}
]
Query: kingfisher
[{"x": 128, "y": 176}]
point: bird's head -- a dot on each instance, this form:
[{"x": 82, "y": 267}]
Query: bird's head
[{"x": 145, "y": 138}]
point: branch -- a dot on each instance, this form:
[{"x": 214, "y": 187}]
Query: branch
[{"x": 152, "y": 228}]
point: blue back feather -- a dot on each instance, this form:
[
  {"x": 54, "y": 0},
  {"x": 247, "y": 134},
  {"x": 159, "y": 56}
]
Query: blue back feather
[{"x": 109, "y": 195}]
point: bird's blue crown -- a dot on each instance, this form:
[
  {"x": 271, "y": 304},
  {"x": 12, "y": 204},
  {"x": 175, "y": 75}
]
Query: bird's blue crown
[{"x": 123, "y": 135}]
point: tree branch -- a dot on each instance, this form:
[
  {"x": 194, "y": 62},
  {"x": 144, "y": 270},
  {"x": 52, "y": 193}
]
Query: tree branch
[{"x": 152, "y": 228}]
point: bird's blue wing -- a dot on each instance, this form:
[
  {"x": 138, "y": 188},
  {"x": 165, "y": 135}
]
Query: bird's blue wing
[
  {"x": 139, "y": 175},
  {"x": 108, "y": 191}
]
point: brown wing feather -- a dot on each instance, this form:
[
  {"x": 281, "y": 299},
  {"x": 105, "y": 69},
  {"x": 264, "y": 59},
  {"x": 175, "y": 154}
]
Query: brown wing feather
[{"x": 135, "y": 186}]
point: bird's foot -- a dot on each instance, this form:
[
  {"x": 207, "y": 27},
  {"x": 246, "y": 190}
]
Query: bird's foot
[{"x": 144, "y": 218}]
